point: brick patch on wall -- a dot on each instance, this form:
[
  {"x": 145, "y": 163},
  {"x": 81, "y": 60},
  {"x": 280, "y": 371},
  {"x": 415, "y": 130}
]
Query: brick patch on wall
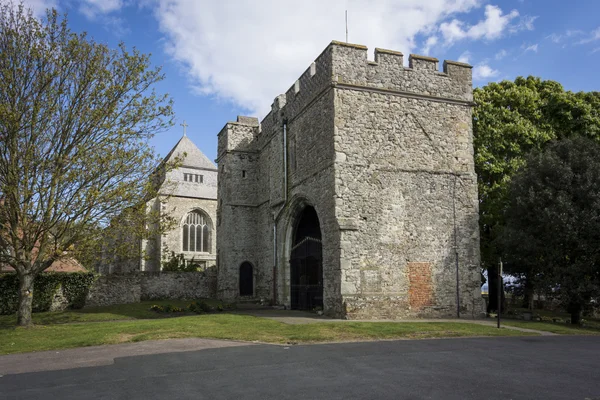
[{"x": 420, "y": 292}]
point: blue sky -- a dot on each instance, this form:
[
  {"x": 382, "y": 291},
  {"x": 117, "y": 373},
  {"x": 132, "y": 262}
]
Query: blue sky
[{"x": 232, "y": 57}]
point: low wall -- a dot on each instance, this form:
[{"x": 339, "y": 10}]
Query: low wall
[{"x": 138, "y": 286}]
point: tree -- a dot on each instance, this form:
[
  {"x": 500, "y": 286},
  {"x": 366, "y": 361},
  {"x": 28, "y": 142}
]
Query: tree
[
  {"x": 75, "y": 120},
  {"x": 510, "y": 120},
  {"x": 553, "y": 220}
]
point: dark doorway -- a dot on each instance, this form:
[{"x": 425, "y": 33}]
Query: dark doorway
[
  {"x": 246, "y": 279},
  {"x": 306, "y": 262}
]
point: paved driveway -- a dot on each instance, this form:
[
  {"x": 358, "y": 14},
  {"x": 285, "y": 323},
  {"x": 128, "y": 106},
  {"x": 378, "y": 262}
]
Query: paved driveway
[{"x": 559, "y": 367}]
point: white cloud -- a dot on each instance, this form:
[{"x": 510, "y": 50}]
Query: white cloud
[
  {"x": 484, "y": 71},
  {"x": 38, "y": 7},
  {"x": 95, "y": 8},
  {"x": 492, "y": 27},
  {"x": 429, "y": 43},
  {"x": 465, "y": 57},
  {"x": 555, "y": 37},
  {"x": 525, "y": 24},
  {"x": 501, "y": 54},
  {"x": 593, "y": 36},
  {"x": 250, "y": 53},
  {"x": 597, "y": 49},
  {"x": 560, "y": 37},
  {"x": 533, "y": 48}
]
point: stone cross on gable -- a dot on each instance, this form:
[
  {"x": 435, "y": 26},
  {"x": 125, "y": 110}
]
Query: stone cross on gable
[{"x": 184, "y": 127}]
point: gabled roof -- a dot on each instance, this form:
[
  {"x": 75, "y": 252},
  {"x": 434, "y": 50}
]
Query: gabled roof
[{"x": 194, "y": 156}]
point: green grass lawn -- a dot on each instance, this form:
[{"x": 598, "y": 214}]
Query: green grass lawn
[
  {"x": 136, "y": 322},
  {"x": 109, "y": 313},
  {"x": 554, "y": 327},
  {"x": 227, "y": 326},
  {"x": 551, "y": 321}
]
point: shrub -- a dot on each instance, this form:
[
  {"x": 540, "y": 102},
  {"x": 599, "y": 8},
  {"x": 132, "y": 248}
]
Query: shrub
[
  {"x": 204, "y": 306},
  {"x": 196, "y": 306},
  {"x": 157, "y": 308},
  {"x": 166, "y": 309},
  {"x": 75, "y": 287},
  {"x": 193, "y": 307},
  {"x": 177, "y": 263}
]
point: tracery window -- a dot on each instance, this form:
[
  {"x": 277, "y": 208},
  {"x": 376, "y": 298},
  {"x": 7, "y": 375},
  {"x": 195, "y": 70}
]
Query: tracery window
[{"x": 196, "y": 233}]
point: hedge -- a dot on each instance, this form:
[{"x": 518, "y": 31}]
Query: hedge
[{"x": 75, "y": 287}]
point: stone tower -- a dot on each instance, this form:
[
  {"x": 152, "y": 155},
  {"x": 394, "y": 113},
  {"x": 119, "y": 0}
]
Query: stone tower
[{"x": 357, "y": 193}]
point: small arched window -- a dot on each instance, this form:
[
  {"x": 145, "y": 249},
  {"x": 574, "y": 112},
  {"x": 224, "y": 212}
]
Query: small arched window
[{"x": 196, "y": 233}]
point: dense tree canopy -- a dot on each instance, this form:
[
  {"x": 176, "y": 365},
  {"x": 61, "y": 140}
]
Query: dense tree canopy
[
  {"x": 510, "y": 120},
  {"x": 75, "y": 119},
  {"x": 552, "y": 222}
]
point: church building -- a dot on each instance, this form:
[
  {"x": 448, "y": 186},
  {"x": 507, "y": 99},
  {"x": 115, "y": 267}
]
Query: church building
[
  {"x": 355, "y": 195},
  {"x": 189, "y": 196}
]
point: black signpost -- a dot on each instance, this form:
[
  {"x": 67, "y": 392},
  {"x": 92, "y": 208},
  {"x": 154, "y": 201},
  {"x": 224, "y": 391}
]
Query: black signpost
[{"x": 499, "y": 291}]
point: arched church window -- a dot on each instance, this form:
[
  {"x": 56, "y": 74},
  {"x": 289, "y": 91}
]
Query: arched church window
[{"x": 196, "y": 233}]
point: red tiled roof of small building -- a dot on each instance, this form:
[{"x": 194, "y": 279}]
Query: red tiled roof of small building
[{"x": 66, "y": 264}]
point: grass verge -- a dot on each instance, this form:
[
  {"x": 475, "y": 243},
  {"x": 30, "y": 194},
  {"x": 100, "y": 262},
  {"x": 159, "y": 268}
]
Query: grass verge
[
  {"x": 558, "y": 328},
  {"x": 108, "y": 313},
  {"x": 228, "y": 326}
]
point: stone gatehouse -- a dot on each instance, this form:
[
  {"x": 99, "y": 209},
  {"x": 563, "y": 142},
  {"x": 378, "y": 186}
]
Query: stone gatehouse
[{"x": 357, "y": 193}]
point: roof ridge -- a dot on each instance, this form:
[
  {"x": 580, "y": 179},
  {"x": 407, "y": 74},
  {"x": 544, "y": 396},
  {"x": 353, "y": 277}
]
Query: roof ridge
[{"x": 194, "y": 156}]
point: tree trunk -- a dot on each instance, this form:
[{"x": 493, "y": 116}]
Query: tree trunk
[
  {"x": 493, "y": 291},
  {"x": 575, "y": 311},
  {"x": 25, "y": 300},
  {"x": 528, "y": 295}
]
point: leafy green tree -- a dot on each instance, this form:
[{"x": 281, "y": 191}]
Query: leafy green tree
[
  {"x": 75, "y": 120},
  {"x": 510, "y": 120},
  {"x": 553, "y": 220}
]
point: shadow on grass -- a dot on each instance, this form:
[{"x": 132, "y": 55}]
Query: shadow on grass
[{"x": 120, "y": 312}]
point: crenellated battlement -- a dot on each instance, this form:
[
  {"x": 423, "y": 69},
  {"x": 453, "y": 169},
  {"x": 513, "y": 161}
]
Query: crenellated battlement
[
  {"x": 346, "y": 66},
  {"x": 422, "y": 77},
  {"x": 239, "y": 135}
]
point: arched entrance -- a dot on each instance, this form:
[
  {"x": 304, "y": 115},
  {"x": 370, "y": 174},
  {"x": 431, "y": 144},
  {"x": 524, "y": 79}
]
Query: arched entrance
[
  {"x": 306, "y": 262},
  {"x": 246, "y": 279}
]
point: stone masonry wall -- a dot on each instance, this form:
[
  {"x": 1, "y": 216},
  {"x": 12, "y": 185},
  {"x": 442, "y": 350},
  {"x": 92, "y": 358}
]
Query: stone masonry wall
[
  {"x": 135, "y": 287},
  {"x": 178, "y": 208},
  {"x": 405, "y": 184},
  {"x": 384, "y": 154},
  {"x": 236, "y": 219}
]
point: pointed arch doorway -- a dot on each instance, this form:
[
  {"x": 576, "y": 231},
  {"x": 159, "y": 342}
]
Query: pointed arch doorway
[{"x": 306, "y": 262}]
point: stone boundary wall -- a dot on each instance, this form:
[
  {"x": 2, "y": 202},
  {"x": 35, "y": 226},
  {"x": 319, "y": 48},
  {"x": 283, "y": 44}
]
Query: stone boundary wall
[{"x": 139, "y": 286}]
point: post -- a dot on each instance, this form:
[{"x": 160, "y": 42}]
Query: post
[
  {"x": 346, "y": 26},
  {"x": 499, "y": 291}
]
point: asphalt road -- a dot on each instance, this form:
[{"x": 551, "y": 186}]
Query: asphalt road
[{"x": 562, "y": 367}]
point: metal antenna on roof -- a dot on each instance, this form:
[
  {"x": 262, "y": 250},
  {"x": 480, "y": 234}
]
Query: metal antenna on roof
[
  {"x": 346, "y": 26},
  {"x": 184, "y": 126}
]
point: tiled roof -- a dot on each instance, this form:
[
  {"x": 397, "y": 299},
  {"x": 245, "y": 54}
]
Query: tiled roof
[{"x": 66, "y": 264}]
